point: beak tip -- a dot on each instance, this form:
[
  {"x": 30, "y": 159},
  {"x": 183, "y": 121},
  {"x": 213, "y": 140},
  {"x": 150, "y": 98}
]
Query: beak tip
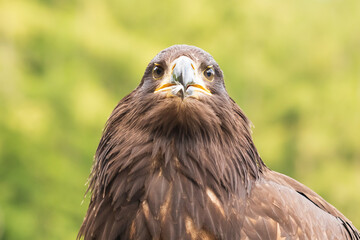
[{"x": 181, "y": 94}]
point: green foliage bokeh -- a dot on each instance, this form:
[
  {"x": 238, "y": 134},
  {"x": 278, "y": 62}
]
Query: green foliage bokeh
[{"x": 292, "y": 66}]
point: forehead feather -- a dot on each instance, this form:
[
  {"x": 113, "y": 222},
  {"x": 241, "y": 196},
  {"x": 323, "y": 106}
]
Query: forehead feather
[{"x": 171, "y": 53}]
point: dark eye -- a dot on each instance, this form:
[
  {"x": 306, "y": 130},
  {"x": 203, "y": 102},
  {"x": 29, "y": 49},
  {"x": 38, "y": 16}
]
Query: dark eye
[
  {"x": 209, "y": 73},
  {"x": 157, "y": 72}
]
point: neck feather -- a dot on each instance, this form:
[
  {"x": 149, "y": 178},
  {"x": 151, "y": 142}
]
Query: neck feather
[{"x": 208, "y": 142}]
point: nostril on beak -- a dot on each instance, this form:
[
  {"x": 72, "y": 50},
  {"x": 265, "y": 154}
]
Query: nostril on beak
[
  {"x": 183, "y": 71},
  {"x": 180, "y": 79}
]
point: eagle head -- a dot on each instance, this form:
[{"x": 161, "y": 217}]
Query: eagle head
[{"x": 182, "y": 94}]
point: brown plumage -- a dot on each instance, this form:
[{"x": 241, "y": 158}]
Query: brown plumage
[{"x": 177, "y": 161}]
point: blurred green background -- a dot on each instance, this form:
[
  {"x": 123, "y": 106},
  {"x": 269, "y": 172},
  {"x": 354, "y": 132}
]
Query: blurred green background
[{"x": 292, "y": 66}]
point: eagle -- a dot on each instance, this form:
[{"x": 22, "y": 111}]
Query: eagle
[{"x": 176, "y": 160}]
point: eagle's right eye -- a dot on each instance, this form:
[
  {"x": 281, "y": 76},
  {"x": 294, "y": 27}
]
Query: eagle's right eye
[{"x": 158, "y": 71}]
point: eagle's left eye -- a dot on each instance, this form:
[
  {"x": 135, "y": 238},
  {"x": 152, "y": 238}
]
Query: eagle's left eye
[
  {"x": 158, "y": 71},
  {"x": 209, "y": 73}
]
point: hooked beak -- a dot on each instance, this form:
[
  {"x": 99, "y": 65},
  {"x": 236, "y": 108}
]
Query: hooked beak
[{"x": 183, "y": 81}]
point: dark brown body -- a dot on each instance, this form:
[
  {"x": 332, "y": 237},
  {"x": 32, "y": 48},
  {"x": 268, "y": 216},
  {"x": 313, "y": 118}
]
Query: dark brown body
[{"x": 168, "y": 168}]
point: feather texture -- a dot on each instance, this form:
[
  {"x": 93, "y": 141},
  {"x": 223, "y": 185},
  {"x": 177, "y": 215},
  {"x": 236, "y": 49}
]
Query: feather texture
[{"x": 168, "y": 168}]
